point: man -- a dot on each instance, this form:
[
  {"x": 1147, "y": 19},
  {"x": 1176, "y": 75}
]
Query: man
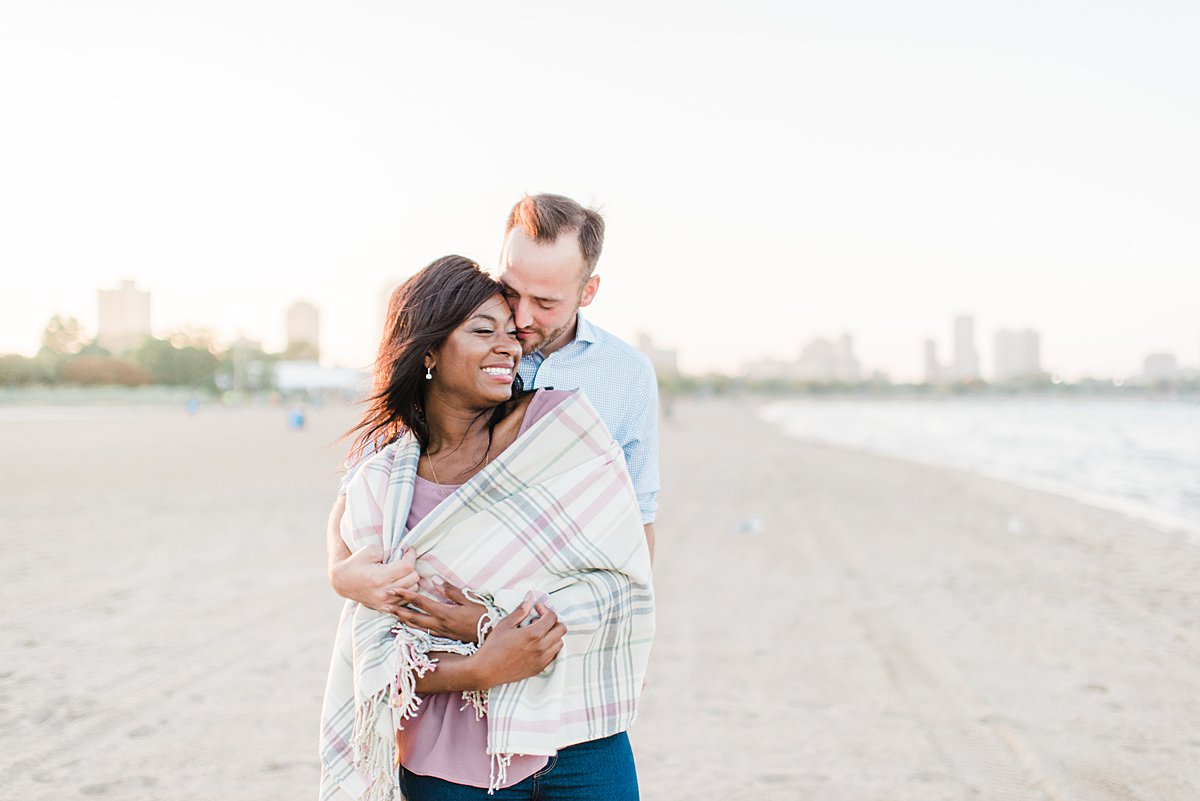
[{"x": 547, "y": 267}]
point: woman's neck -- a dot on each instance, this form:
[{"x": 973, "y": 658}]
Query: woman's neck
[{"x": 450, "y": 426}]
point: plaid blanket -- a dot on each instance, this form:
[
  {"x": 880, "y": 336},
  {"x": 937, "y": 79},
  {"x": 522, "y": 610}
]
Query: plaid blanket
[{"x": 554, "y": 513}]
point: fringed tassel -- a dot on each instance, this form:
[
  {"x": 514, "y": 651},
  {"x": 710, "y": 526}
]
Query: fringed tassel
[
  {"x": 414, "y": 663},
  {"x": 478, "y": 699},
  {"x": 375, "y": 750},
  {"x": 499, "y": 772},
  {"x": 489, "y": 619},
  {"x": 374, "y": 755}
]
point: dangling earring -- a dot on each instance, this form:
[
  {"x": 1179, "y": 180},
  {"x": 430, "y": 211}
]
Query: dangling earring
[{"x": 429, "y": 373}]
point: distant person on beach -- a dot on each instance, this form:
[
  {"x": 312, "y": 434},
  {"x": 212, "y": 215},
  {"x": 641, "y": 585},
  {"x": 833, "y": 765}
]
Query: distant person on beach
[
  {"x": 547, "y": 268},
  {"x": 522, "y": 499}
]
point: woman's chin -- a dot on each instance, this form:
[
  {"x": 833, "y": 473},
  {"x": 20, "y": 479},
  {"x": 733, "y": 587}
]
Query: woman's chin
[{"x": 497, "y": 394}]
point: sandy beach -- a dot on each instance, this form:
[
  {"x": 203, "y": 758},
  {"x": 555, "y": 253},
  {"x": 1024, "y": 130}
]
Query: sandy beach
[{"x": 832, "y": 624}]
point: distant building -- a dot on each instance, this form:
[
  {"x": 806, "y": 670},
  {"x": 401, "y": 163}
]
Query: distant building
[
  {"x": 1018, "y": 355},
  {"x": 934, "y": 372},
  {"x": 825, "y": 362},
  {"x": 821, "y": 362},
  {"x": 966, "y": 359},
  {"x": 1160, "y": 367},
  {"x": 124, "y": 319},
  {"x": 767, "y": 370},
  {"x": 665, "y": 362},
  {"x": 306, "y": 376},
  {"x": 303, "y": 331}
]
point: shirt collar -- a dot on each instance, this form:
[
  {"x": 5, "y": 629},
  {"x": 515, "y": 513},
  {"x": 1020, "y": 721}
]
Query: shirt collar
[{"x": 584, "y": 331}]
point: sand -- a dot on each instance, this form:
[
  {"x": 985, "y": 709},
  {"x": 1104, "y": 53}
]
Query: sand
[{"x": 832, "y": 625}]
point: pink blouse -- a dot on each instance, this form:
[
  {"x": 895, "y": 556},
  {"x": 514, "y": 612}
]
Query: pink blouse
[{"x": 444, "y": 740}]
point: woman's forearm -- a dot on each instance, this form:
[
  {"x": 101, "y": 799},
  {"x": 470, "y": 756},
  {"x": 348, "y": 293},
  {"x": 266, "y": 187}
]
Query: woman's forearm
[
  {"x": 454, "y": 673},
  {"x": 511, "y": 652}
]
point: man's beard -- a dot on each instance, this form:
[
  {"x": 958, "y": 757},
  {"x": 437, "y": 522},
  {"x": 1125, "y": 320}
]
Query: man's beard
[{"x": 529, "y": 346}]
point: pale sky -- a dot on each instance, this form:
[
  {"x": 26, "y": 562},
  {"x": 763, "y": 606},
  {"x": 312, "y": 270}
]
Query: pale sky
[{"x": 770, "y": 171}]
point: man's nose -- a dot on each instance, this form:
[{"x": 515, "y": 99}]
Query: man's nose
[{"x": 521, "y": 313}]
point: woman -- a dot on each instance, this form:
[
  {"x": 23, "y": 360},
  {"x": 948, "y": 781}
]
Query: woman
[{"x": 524, "y": 499}]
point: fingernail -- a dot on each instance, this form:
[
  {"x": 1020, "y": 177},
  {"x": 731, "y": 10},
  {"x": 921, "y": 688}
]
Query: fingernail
[{"x": 438, "y": 580}]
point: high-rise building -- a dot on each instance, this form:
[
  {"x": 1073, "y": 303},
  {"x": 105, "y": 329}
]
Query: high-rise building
[
  {"x": 846, "y": 368},
  {"x": 303, "y": 331},
  {"x": 966, "y": 359},
  {"x": 933, "y": 369},
  {"x": 124, "y": 319},
  {"x": 1018, "y": 355}
]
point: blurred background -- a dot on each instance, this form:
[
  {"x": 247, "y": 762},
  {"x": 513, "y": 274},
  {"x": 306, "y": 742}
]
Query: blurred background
[{"x": 949, "y": 249}]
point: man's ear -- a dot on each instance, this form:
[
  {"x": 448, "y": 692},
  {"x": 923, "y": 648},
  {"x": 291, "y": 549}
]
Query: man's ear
[{"x": 589, "y": 290}]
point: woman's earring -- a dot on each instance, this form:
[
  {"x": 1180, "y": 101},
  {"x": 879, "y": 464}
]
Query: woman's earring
[{"x": 429, "y": 373}]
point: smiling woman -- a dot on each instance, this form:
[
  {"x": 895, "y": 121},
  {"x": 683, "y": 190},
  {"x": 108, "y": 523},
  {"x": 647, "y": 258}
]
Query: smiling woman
[
  {"x": 501, "y": 506},
  {"x": 477, "y": 362},
  {"x": 451, "y": 304}
]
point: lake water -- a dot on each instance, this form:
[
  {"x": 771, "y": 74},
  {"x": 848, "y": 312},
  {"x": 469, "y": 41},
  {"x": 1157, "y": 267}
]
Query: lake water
[{"x": 1140, "y": 457}]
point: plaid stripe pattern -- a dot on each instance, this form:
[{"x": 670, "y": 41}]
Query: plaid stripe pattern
[{"x": 555, "y": 513}]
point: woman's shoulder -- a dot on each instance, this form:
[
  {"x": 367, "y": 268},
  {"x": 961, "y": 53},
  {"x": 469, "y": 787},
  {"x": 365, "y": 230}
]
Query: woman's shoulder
[
  {"x": 543, "y": 401},
  {"x": 535, "y": 405}
]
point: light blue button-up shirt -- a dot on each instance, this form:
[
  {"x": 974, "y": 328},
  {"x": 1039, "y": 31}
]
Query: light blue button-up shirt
[{"x": 621, "y": 384}]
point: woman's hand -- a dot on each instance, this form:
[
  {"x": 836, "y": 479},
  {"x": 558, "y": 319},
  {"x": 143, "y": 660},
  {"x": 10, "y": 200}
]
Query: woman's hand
[
  {"x": 456, "y": 620},
  {"x": 363, "y": 577},
  {"x": 513, "y": 652}
]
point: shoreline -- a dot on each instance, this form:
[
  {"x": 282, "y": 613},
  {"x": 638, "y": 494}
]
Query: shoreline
[{"x": 1147, "y": 514}]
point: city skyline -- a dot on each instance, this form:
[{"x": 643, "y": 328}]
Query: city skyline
[
  {"x": 768, "y": 175},
  {"x": 818, "y": 358}
]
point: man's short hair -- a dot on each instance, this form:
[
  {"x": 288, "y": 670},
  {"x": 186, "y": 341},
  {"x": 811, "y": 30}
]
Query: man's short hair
[{"x": 544, "y": 217}]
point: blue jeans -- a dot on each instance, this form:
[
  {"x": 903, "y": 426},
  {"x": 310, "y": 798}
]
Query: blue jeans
[{"x": 598, "y": 770}]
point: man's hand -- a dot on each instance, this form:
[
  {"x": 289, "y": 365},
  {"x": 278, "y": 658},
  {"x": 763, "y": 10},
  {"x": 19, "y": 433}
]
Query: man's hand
[
  {"x": 513, "y": 652},
  {"x": 458, "y": 619},
  {"x": 364, "y": 578}
]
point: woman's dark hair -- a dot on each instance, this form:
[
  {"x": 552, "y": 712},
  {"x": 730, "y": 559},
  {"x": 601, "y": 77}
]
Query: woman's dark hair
[{"x": 421, "y": 314}]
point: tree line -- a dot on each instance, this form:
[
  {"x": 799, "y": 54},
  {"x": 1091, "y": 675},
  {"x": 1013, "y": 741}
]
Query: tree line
[{"x": 187, "y": 358}]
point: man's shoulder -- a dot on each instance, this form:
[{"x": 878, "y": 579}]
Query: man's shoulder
[{"x": 607, "y": 345}]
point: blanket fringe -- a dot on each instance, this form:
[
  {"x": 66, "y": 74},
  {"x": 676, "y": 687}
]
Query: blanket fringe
[
  {"x": 491, "y": 615},
  {"x": 499, "y": 772},
  {"x": 478, "y": 699},
  {"x": 373, "y": 754},
  {"x": 414, "y": 663},
  {"x": 375, "y": 751}
]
